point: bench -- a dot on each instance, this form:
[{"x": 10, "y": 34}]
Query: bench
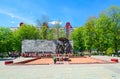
[
  {"x": 8, "y": 62},
  {"x": 114, "y": 60}
]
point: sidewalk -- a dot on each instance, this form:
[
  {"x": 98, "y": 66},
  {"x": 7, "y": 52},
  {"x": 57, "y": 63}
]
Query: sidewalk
[
  {"x": 14, "y": 60},
  {"x": 66, "y": 71},
  {"x": 107, "y": 58},
  {"x": 21, "y": 59}
]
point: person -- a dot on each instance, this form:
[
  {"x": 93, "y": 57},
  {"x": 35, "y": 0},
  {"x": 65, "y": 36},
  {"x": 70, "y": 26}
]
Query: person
[
  {"x": 54, "y": 59},
  {"x": 15, "y": 54}
]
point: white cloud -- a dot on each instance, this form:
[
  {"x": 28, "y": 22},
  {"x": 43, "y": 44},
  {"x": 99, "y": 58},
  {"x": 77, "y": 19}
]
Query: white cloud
[
  {"x": 7, "y": 13},
  {"x": 12, "y": 15},
  {"x": 55, "y": 22},
  {"x": 12, "y": 22}
]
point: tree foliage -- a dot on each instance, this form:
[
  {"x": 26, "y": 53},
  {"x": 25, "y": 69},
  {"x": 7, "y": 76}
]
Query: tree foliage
[
  {"x": 90, "y": 33},
  {"x": 5, "y": 40},
  {"x": 78, "y": 38},
  {"x": 100, "y": 33},
  {"x": 114, "y": 14}
]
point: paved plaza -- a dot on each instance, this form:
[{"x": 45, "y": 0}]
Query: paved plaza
[{"x": 61, "y": 71}]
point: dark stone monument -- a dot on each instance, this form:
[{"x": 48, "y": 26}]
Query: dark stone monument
[{"x": 64, "y": 46}]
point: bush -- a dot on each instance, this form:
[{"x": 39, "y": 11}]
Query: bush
[{"x": 109, "y": 51}]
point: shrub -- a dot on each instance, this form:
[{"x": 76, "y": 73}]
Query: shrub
[{"x": 109, "y": 51}]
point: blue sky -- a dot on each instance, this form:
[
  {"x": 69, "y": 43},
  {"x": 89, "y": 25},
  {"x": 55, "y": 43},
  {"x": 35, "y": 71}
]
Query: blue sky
[{"x": 12, "y": 12}]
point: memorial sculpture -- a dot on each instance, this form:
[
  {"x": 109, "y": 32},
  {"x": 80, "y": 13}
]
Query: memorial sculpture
[{"x": 61, "y": 46}]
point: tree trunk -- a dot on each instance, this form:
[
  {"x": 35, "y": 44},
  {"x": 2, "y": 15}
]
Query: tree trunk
[
  {"x": 8, "y": 54},
  {"x": 115, "y": 45},
  {"x": 116, "y": 48}
]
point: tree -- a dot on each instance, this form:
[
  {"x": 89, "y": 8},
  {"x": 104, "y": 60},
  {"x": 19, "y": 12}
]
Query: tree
[
  {"x": 44, "y": 31},
  {"x": 103, "y": 35},
  {"x": 114, "y": 14},
  {"x": 78, "y": 38},
  {"x": 42, "y": 23},
  {"x": 90, "y": 33},
  {"x": 28, "y": 32},
  {"x": 43, "y": 19},
  {"x": 50, "y": 35},
  {"x": 25, "y": 32},
  {"x": 5, "y": 40}
]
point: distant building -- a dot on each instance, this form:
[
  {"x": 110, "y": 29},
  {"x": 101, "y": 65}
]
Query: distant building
[{"x": 14, "y": 28}]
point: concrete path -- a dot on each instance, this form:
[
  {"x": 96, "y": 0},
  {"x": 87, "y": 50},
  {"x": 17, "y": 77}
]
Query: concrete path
[
  {"x": 62, "y": 71},
  {"x": 22, "y": 59},
  {"x": 108, "y": 58},
  {"x": 14, "y": 60}
]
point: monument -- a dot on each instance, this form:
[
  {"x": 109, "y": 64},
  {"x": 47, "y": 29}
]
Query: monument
[
  {"x": 38, "y": 46},
  {"x": 64, "y": 46},
  {"x": 61, "y": 46}
]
